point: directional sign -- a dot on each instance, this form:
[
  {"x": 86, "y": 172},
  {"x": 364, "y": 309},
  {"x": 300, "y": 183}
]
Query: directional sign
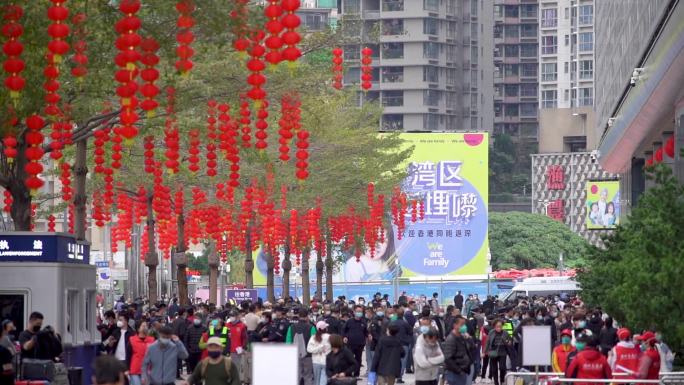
[
  {"x": 102, "y": 263},
  {"x": 119, "y": 274},
  {"x": 241, "y": 295}
]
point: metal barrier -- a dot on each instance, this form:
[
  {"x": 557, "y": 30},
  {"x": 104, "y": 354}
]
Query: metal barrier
[{"x": 546, "y": 378}]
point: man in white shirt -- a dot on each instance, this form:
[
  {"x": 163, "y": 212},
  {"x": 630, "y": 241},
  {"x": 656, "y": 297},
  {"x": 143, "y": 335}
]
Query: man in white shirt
[{"x": 117, "y": 344}]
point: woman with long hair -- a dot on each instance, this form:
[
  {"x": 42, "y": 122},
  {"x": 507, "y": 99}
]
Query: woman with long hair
[{"x": 319, "y": 347}]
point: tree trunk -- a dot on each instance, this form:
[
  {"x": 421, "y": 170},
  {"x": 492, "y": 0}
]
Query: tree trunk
[
  {"x": 21, "y": 196},
  {"x": 181, "y": 263},
  {"x": 328, "y": 270},
  {"x": 270, "y": 278},
  {"x": 151, "y": 258},
  {"x": 80, "y": 197},
  {"x": 287, "y": 267},
  {"x": 214, "y": 263},
  {"x": 249, "y": 262},
  {"x": 306, "y": 287},
  {"x": 319, "y": 277}
]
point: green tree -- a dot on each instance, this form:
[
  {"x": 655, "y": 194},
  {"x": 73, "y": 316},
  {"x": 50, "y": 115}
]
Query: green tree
[
  {"x": 637, "y": 276},
  {"x": 509, "y": 168},
  {"x": 527, "y": 241}
]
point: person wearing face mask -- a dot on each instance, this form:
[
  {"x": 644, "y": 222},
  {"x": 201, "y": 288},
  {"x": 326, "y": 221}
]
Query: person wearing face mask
[
  {"x": 624, "y": 357},
  {"x": 218, "y": 329},
  {"x": 355, "y": 333},
  {"x": 498, "y": 343},
  {"x": 237, "y": 331},
  {"x": 6, "y": 336},
  {"x": 161, "y": 359},
  {"x": 108, "y": 325},
  {"x": 589, "y": 363},
  {"x": 649, "y": 362},
  {"x": 299, "y": 334},
  {"x": 319, "y": 347},
  {"x": 579, "y": 323},
  {"x": 427, "y": 357},
  {"x": 266, "y": 331},
  {"x": 457, "y": 354},
  {"x": 180, "y": 328},
  {"x": 119, "y": 343},
  {"x": 193, "y": 336},
  {"x": 388, "y": 357},
  {"x": 216, "y": 369},
  {"x": 138, "y": 347},
  {"x": 406, "y": 337},
  {"x": 559, "y": 356},
  {"x": 377, "y": 328}
]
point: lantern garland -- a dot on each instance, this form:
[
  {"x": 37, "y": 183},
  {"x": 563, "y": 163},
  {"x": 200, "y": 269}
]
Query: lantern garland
[
  {"x": 239, "y": 16},
  {"x": 337, "y": 69},
  {"x": 262, "y": 126},
  {"x": 194, "y": 150},
  {"x": 302, "y": 154},
  {"x": 58, "y": 30},
  {"x": 7, "y": 201},
  {"x": 148, "y": 145},
  {"x": 670, "y": 147},
  {"x": 246, "y": 122},
  {"x": 51, "y": 223},
  {"x": 366, "y": 69},
  {"x": 289, "y": 123},
  {"x": 256, "y": 65},
  {"x": 150, "y": 74},
  {"x": 273, "y": 42},
  {"x": 9, "y": 143},
  {"x": 211, "y": 138},
  {"x": 65, "y": 179},
  {"x": 13, "y": 64},
  {"x": 171, "y": 133},
  {"x": 127, "y": 60},
  {"x": 291, "y": 37},
  {"x": 97, "y": 214},
  {"x": 34, "y": 152},
  {"x": 71, "y": 218},
  {"x": 185, "y": 37},
  {"x": 80, "y": 59}
]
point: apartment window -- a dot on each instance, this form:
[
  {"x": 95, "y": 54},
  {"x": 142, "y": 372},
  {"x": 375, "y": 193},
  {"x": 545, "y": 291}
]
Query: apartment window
[
  {"x": 566, "y": 95},
  {"x": 529, "y": 69},
  {"x": 431, "y": 74},
  {"x": 497, "y": 71},
  {"x": 371, "y": 96},
  {"x": 528, "y": 109},
  {"x": 586, "y": 14},
  {"x": 430, "y": 26},
  {"x": 393, "y": 27},
  {"x": 549, "y": 17},
  {"x": 549, "y": 72},
  {"x": 528, "y": 10},
  {"x": 314, "y": 22},
  {"x": 567, "y": 13},
  {"x": 451, "y": 7},
  {"x": 392, "y": 122},
  {"x": 393, "y": 98},
  {"x": 549, "y": 45},
  {"x": 473, "y": 7},
  {"x": 473, "y": 103},
  {"x": 431, "y": 50},
  {"x": 586, "y": 69},
  {"x": 450, "y": 76},
  {"x": 498, "y": 11},
  {"x": 497, "y": 110},
  {"x": 473, "y": 78},
  {"x": 393, "y": 50},
  {"x": 586, "y": 41},
  {"x": 511, "y": 110},
  {"x": 566, "y": 67},
  {"x": 431, "y": 5},
  {"x": 528, "y": 30},
  {"x": 452, "y": 29},
  {"x": 511, "y": 51},
  {"x": 511, "y": 69},
  {"x": 528, "y": 50},
  {"x": 352, "y": 75},
  {"x": 586, "y": 96},
  {"x": 392, "y": 74},
  {"x": 528, "y": 130},
  {"x": 473, "y": 123},
  {"x": 567, "y": 40},
  {"x": 498, "y": 31},
  {"x": 473, "y": 31},
  {"x": 392, "y": 5},
  {"x": 352, "y": 52},
  {"x": 511, "y": 11},
  {"x": 528, "y": 90},
  {"x": 549, "y": 98},
  {"x": 511, "y": 90},
  {"x": 511, "y": 31},
  {"x": 431, "y": 122},
  {"x": 431, "y": 98},
  {"x": 351, "y": 6}
]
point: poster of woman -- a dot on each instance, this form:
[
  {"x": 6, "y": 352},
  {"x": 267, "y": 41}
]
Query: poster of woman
[{"x": 603, "y": 204}]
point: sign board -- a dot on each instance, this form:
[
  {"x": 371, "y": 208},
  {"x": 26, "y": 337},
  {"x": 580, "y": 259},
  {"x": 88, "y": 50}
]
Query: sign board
[
  {"x": 241, "y": 295},
  {"x": 120, "y": 274},
  {"x": 536, "y": 343},
  {"x": 263, "y": 357},
  {"x": 23, "y": 246},
  {"x": 603, "y": 204},
  {"x": 102, "y": 264}
]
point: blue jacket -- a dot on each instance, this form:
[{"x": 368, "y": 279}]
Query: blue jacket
[{"x": 159, "y": 364}]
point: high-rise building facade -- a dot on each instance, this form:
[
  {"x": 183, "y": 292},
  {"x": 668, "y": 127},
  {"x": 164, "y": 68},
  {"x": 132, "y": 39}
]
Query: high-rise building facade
[
  {"x": 317, "y": 15},
  {"x": 516, "y": 68},
  {"x": 432, "y": 61}
]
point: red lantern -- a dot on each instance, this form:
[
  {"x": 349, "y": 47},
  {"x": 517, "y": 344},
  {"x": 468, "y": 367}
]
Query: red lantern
[
  {"x": 10, "y": 148},
  {"x": 658, "y": 155},
  {"x": 51, "y": 223},
  {"x": 80, "y": 58},
  {"x": 211, "y": 138},
  {"x": 65, "y": 179},
  {"x": 8, "y": 201},
  {"x": 194, "y": 150},
  {"x": 256, "y": 65},
  {"x": 366, "y": 69},
  {"x": 291, "y": 21},
  {"x": 185, "y": 37},
  {"x": 670, "y": 147},
  {"x": 13, "y": 48},
  {"x": 34, "y": 153},
  {"x": 302, "y": 154},
  {"x": 58, "y": 30},
  {"x": 240, "y": 16},
  {"x": 127, "y": 60},
  {"x": 337, "y": 68},
  {"x": 273, "y": 25},
  {"x": 245, "y": 121},
  {"x": 149, "y": 75},
  {"x": 261, "y": 126}
]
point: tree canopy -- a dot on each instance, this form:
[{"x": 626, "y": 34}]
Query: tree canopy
[
  {"x": 637, "y": 277},
  {"x": 527, "y": 241}
]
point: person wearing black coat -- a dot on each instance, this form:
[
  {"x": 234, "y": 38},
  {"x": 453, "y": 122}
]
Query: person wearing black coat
[
  {"x": 458, "y": 301},
  {"x": 405, "y": 336},
  {"x": 192, "y": 340},
  {"x": 340, "y": 362},
  {"x": 388, "y": 356},
  {"x": 608, "y": 337},
  {"x": 457, "y": 354},
  {"x": 355, "y": 333}
]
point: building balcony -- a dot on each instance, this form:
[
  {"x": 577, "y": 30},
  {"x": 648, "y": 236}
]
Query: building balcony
[
  {"x": 511, "y": 2},
  {"x": 512, "y": 40},
  {"x": 512, "y": 60}
]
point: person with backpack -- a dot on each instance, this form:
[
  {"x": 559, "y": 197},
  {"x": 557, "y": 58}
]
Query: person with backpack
[
  {"x": 299, "y": 335},
  {"x": 216, "y": 369}
]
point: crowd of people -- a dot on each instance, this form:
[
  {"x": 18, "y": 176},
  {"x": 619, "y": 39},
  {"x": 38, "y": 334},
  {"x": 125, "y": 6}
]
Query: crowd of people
[{"x": 339, "y": 342}]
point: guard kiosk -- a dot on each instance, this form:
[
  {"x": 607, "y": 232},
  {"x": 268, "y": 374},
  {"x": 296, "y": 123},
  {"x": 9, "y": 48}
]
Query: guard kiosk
[{"x": 51, "y": 273}]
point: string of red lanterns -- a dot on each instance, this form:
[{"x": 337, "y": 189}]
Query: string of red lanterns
[
  {"x": 13, "y": 48},
  {"x": 80, "y": 59},
  {"x": 337, "y": 68},
  {"x": 149, "y": 75},
  {"x": 291, "y": 21},
  {"x": 366, "y": 68},
  {"x": 185, "y": 36}
]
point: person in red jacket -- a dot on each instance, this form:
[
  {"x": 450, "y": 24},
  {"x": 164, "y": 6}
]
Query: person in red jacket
[
  {"x": 559, "y": 357},
  {"x": 138, "y": 347},
  {"x": 649, "y": 363},
  {"x": 589, "y": 363},
  {"x": 238, "y": 336},
  {"x": 624, "y": 357}
]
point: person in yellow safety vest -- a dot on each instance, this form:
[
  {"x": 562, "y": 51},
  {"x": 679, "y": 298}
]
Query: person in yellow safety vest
[
  {"x": 508, "y": 327},
  {"x": 218, "y": 329}
]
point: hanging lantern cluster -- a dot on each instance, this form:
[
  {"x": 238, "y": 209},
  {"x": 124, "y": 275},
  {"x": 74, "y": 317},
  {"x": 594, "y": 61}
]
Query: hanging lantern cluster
[
  {"x": 194, "y": 150},
  {"x": 239, "y": 16},
  {"x": 148, "y": 145},
  {"x": 291, "y": 37},
  {"x": 274, "y": 27},
  {"x": 421, "y": 209},
  {"x": 414, "y": 210},
  {"x": 56, "y": 136},
  {"x": 185, "y": 37},
  {"x": 246, "y": 122},
  {"x": 337, "y": 68},
  {"x": 51, "y": 87},
  {"x": 261, "y": 125},
  {"x": 670, "y": 147},
  {"x": 149, "y": 75},
  {"x": 211, "y": 138},
  {"x": 65, "y": 180},
  {"x": 302, "y": 172},
  {"x": 13, "y": 65},
  {"x": 366, "y": 69},
  {"x": 51, "y": 223},
  {"x": 80, "y": 59},
  {"x": 171, "y": 133},
  {"x": 71, "y": 219},
  {"x": 58, "y": 30},
  {"x": 97, "y": 212},
  {"x": 99, "y": 150},
  {"x": 290, "y": 116},
  {"x": 34, "y": 152},
  {"x": 7, "y": 201},
  {"x": 127, "y": 59},
  {"x": 9, "y": 143},
  {"x": 399, "y": 208},
  {"x": 256, "y": 66}
]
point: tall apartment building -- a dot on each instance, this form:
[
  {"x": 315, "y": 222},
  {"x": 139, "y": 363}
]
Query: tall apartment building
[
  {"x": 317, "y": 15},
  {"x": 566, "y": 68},
  {"x": 432, "y": 61},
  {"x": 516, "y": 63}
]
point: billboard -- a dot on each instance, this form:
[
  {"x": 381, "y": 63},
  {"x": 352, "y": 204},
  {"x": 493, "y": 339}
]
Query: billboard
[
  {"x": 449, "y": 173},
  {"x": 603, "y": 204}
]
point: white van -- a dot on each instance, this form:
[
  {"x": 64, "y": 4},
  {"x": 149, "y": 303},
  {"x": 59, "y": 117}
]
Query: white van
[{"x": 543, "y": 286}]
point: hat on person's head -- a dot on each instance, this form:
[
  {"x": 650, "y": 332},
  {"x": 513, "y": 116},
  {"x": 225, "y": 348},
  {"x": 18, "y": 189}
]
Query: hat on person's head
[
  {"x": 321, "y": 325},
  {"x": 624, "y": 333},
  {"x": 566, "y": 332},
  {"x": 648, "y": 337},
  {"x": 214, "y": 341}
]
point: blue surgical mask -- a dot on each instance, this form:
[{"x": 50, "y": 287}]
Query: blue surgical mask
[
  {"x": 197, "y": 322},
  {"x": 358, "y": 314},
  {"x": 463, "y": 329},
  {"x": 214, "y": 323},
  {"x": 164, "y": 341},
  {"x": 582, "y": 324},
  {"x": 580, "y": 346},
  {"x": 380, "y": 313},
  {"x": 424, "y": 329}
]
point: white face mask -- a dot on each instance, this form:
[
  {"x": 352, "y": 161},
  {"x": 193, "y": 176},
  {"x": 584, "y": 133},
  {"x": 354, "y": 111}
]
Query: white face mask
[{"x": 120, "y": 324}]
